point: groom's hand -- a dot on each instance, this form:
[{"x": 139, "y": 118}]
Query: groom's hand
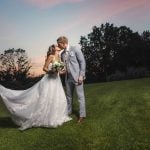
[
  {"x": 80, "y": 80},
  {"x": 63, "y": 71}
]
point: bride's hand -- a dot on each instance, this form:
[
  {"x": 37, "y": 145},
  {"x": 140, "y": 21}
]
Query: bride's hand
[{"x": 52, "y": 72}]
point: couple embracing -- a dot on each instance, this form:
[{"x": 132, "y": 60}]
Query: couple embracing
[{"x": 45, "y": 104}]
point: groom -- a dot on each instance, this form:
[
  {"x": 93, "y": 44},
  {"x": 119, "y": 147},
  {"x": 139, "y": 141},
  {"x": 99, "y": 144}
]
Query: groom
[{"x": 75, "y": 74}]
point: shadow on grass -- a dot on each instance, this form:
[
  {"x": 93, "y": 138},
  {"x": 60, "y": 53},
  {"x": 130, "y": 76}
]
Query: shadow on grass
[
  {"x": 75, "y": 112},
  {"x": 6, "y": 122}
]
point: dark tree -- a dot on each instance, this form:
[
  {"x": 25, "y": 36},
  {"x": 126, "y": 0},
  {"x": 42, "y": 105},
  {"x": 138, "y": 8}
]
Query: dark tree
[
  {"x": 99, "y": 49},
  {"x": 146, "y": 48},
  {"x": 14, "y": 65},
  {"x": 108, "y": 49}
]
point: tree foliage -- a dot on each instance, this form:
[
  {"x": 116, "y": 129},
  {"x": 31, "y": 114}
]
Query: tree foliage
[
  {"x": 14, "y": 65},
  {"x": 108, "y": 49}
]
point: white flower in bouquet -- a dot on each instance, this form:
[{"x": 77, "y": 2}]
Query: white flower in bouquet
[{"x": 57, "y": 66}]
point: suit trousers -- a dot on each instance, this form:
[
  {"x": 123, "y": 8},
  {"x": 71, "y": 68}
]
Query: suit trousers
[{"x": 70, "y": 86}]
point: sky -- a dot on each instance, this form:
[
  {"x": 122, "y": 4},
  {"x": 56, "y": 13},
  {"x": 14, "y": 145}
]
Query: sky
[{"x": 34, "y": 25}]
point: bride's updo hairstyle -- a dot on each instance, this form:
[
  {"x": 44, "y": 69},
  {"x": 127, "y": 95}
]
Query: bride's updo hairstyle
[{"x": 51, "y": 50}]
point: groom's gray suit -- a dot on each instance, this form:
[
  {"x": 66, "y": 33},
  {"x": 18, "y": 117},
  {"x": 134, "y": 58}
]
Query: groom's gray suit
[{"x": 75, "y": 68}]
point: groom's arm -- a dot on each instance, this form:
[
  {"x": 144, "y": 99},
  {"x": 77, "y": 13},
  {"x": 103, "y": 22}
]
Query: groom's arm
[{"x": 82, "y": 63}]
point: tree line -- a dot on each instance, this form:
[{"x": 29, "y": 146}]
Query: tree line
[
  {"x": 111, "y": 53},
  {"x": 115, "y": 53},
  {"x": 14, "y": 69}
]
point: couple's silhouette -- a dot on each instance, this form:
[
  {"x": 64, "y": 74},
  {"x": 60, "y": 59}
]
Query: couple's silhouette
[{"x": 45, "y": 104}]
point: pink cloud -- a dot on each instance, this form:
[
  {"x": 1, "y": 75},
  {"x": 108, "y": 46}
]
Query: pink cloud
[
  {"x": 99, "y": 11},
  {"x": 49, "y": 3},
  {"x": 104, "y": 11},
  {"x": 108, "y": 10},
  {"x": 124, "y": 6}
]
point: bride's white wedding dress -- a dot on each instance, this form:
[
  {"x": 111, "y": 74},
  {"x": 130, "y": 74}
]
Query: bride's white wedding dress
[{"x": 42, "y": 105}]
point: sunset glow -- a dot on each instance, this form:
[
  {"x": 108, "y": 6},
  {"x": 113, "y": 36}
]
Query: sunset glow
[{"x": 33, "y": 25}]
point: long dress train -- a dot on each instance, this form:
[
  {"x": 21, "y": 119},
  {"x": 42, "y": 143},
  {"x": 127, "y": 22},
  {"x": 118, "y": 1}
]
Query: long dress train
[{"x": 42, "y": 105}]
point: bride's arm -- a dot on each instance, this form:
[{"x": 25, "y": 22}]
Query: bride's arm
[{"x": 48, "y": 60}]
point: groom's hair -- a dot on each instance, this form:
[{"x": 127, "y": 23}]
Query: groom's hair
[{"x": 62, "y": 39}]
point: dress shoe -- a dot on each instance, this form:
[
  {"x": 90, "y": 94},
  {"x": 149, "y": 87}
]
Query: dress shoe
[{"x": 81, "y": 119}]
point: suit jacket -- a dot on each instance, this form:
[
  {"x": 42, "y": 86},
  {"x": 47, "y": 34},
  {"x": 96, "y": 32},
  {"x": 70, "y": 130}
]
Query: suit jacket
[{"x": 75, "y": 61}]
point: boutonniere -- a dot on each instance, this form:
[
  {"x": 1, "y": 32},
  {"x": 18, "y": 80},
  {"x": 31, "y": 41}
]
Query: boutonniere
[{"x": 71, "y": 53}]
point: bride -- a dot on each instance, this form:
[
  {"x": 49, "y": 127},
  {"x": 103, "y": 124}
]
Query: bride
[{"x": 42, "y": 105}]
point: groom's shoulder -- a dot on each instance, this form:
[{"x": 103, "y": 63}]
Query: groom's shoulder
[{"x": 75, "y": 47}]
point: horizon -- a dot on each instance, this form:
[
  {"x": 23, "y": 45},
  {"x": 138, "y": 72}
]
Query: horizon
[{"x": 33, "y": 25}]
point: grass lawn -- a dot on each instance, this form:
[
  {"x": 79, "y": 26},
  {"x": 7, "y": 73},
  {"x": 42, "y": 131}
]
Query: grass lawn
[{"x": 118, "y": 118}]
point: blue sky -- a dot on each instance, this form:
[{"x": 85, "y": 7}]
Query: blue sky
[{"x": 33, "y": 25}]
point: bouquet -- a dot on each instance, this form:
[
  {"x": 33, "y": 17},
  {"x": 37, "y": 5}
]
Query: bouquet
[{"x": 57, "y": 66}]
